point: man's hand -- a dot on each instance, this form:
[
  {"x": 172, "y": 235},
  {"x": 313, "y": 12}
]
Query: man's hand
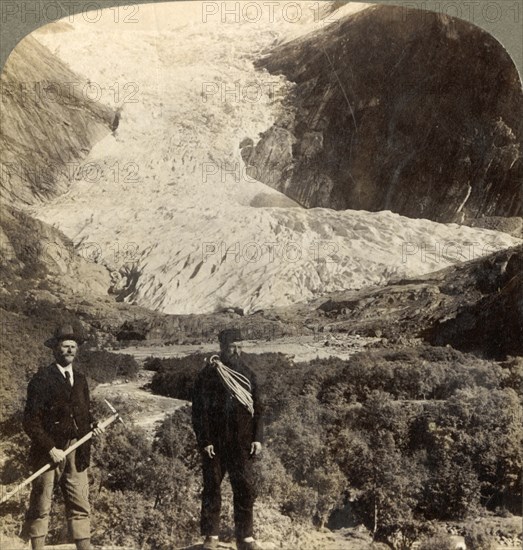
[
  {"x": 98, "y": 431},
  {"x": 57, "y": 455},
  {"x": 256, "y": 448},
  {"x": 210, "y": 451}
]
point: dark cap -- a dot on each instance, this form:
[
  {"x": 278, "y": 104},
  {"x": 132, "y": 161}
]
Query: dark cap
[
  {"x": 229, "y": 335},
  {"x": 66, "y": 331}
]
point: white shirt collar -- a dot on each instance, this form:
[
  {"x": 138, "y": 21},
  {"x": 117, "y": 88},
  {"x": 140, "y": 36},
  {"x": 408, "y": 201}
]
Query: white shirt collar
[{"x": 69, "y": 369}]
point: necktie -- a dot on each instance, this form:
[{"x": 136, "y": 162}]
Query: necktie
[{"x": 68, "y": 378}]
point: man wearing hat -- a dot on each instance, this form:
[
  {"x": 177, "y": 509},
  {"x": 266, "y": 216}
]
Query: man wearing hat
[
  {"x": 57, "y": 413},
  {"x": 227, "y": 420}
]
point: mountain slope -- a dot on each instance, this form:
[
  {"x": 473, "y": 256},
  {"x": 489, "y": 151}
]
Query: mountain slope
[
  {"x": 495, "y": 322},
  {"x": 172, "y": 210},
  {"x": 50, "y": 120},
  {"x": 401, "y": 110},
  {"x": 474, "y": 306}
]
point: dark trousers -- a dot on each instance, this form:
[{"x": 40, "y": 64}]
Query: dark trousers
[{"x": 239, "y": 464}]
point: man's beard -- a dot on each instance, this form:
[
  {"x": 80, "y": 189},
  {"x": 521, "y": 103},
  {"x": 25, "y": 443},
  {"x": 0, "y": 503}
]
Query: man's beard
[
  {"x": 65, "y": 360},
  {"x": 232, "y": 360}
]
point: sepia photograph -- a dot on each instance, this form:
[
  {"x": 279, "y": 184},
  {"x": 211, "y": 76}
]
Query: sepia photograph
[{"x": 261, "y": 276}]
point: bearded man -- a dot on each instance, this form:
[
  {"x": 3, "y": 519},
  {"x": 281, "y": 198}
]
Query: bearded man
[
  {"x": 57, "y": 414},
  {"x": 227, "y": 420}
]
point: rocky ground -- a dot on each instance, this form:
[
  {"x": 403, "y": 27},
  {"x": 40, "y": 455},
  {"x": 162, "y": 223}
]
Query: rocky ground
[
  {"x": 343, "y": 539},
  {"x": 357, "y": 538}
]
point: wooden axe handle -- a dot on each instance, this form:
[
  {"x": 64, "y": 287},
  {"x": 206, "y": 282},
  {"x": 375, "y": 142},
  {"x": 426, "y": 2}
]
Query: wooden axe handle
[{"x": 48, "y": 466}]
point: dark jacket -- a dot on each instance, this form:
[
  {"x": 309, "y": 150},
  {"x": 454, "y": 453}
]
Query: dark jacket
[
  {"x": 218, "y": 418},
  {"x": 55, "y": 413}
]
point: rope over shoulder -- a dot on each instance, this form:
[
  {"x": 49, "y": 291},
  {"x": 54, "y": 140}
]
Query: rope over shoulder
[{"x": 237, "y": 383}]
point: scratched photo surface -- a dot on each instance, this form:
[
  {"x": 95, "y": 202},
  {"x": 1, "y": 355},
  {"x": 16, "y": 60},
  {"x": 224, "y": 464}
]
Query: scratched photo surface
[{"x": 341, "y": 184}]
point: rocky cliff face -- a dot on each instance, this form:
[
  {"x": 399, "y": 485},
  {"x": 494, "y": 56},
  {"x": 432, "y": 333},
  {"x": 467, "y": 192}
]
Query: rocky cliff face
[
  {"x": 42, "y": 278},
  {"x": 397, "y": 110},
  {"x": 476, "y": 306},
  {"x": 33, "y": 252},
  {"x": 48, "y": 125},
  {"x": 494, "y": 324},
  {"x": 50, "y": 120}
]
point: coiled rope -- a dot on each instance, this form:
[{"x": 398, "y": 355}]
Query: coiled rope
[{"x": 236, "y": 382}]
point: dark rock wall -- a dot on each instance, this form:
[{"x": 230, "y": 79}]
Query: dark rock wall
[
  {"x": 474, "y": 306},
  {"x": 398, "y": 110},
  {"x": 49, "y": 122},
  {"x": 494, "y": 324}
]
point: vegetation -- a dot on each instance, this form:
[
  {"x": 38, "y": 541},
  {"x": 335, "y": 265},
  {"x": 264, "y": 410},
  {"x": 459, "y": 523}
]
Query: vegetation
[
  {"x": 405, "y": 436},
  {"x": 399, "y": 439},
  {"x": 103, "y": 366}
]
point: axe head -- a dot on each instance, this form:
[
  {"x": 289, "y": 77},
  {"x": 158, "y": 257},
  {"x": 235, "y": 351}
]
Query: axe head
[{"x": 114, "y": 411}]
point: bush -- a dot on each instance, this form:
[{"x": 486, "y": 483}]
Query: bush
[
  {"x": 104, "y": 366},
  {"x": 175, "y": 377},
  {"x": 149, "y": 492},
  {"x": 414, "y": 374},
  {"x": 440, "y": 541},
  {"x": 478, "y": 538},
  {"x": 128, "y": 520}
]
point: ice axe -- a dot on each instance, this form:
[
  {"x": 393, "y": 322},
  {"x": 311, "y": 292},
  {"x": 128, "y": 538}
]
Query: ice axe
[
  {"x": 115, "y": 412},
  {"x": 103, "y": 424}
]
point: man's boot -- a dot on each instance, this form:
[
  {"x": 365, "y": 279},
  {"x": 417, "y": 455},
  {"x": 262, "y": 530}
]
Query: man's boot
[
  {"x": 83, "y": 544},
  {"x": 249, "y": 544},
  {"x": 37, "y": 543},
  {"x": 210, "y": 543}
]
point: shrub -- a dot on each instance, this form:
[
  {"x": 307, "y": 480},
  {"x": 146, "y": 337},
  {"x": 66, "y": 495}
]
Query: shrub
[
  {"x": 104, "y": 366},
  {"x": 478, "y": 538},
  {"x": 440, "y": 541},
  {"x": 175, "y": 377}
]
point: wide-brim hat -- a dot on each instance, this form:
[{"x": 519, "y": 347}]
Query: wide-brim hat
[
  {"x": 66, "y": 331},
  {"x": 229, "y": 335}
]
